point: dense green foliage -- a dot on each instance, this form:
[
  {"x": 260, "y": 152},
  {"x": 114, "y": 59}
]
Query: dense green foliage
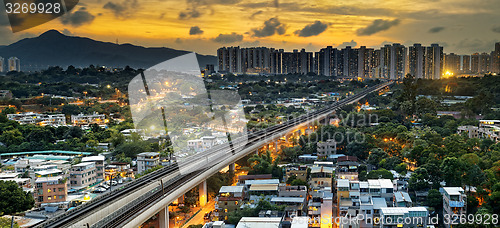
[{"x": 13, "y": 199}]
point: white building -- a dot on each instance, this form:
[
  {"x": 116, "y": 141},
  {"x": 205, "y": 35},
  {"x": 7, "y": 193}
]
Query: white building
[
  {"x": 14, "y": 64},
  {"x": 1, "y": 64},
  {"x": 85, "y": 120},
  {"x": 327, "y": 148},
  {"x": 99, "y": 164},
  {"x": 454, "y": 202},
  {"x": 147, "y": 160},
  {"x": 405, "y": 217},
  {"x": 39, "y": 119}
]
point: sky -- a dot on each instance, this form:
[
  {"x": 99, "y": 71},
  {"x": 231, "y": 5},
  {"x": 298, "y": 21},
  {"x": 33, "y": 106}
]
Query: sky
[{"x": 202, "y": 26}]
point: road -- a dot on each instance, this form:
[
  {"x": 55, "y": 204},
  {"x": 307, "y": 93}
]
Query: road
[{"x": 198, "y": 218}]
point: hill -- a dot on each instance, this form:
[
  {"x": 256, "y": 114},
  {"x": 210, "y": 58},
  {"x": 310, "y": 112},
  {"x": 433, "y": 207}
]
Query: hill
[{"x": 53, "y": 48}]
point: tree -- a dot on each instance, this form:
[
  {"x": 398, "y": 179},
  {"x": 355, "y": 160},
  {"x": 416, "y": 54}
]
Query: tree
[
  {"x": 12, "y": 137},
  {"x": 418, "y": 180},
  {"x": 5, "y": 222},
  {"x": 434, "y": 199},
  {"x": 425, "y": 106},
  {"x": 453, "y": 171},
  {"x": 13, "y": 199},
  {"x": 380, "y": 174},
  {"x": 402, "y": 167}
]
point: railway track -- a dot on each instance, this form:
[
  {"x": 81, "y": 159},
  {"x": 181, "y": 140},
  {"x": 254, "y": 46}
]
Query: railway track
[{"x": 119, "y": 216}]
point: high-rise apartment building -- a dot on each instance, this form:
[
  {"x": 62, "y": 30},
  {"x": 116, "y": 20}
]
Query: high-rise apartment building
[
  {"x": 496, "y": 58},
  {"x": 14, "y": 64},
  {"x": 434, "y": 62},
  {"x": 366, "y": 62},
  {"x": 466, "y": 67},
  {"x": 452, "y": 63},
  {"x": 1, "y": 64},
  {"x": 416, "y": 60}
]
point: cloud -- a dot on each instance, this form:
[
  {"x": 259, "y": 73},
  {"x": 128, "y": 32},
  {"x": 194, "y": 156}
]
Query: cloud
[
  {"x": 256, "y": 13},
  {"x": 271, "y": 27},
  {"x": 191, "y": 13},
  {"x": 475, "y": 45},
  {"x": 376, "y": 26},
  {"x": 124, "y": 9},
  {"x": 77, "y": 18},
  {"x": 196, "y": 6},
  {"x": 250, "y": 44},
  {"x": 436, "y": 29},
  {"x": 67, "y": 32},
  {"x": 195, "y": 30},
  {"x": 228, "y": 38},
  {"x": 496, "y": 29},
  {"x": 313, "y": 29},
  {"x": 352, "y": 43}
]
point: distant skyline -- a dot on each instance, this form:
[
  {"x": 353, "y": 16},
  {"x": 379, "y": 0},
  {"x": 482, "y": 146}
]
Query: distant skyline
[{"x": 202, "y": 26}]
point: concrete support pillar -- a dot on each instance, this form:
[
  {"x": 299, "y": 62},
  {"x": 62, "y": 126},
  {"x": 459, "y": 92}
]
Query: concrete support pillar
[
  {"x": 203, "y": 193},
  {"x": 231, "y": 167},
  {"x": 163, "y": 218},
  {"x": 276, "y": 146}
]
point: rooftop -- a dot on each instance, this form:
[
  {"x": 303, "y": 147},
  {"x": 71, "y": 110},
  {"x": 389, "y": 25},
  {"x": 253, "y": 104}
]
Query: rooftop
[
  {"x": 288, "y": 199},
  {"x": 342, "y": 183},
  {"x": 402, "y": 197},
  {"x": 400, "y": 210},
  {"x": 47, "y": 179},
  {"x": 93, "y": 158},
  {"x": 266, "y": 181},
  {"x": 48, "y": 171},
  {"x": 453, "y": 190},
  {"x": 264, "y": 187},
  {"x": 47, "y": 152},
  {"x": 149, "y": 154},
  {"x": 259, "y": 222},
  {"x": 231, "y": 189},
  {"x": 83, "y": 164}
]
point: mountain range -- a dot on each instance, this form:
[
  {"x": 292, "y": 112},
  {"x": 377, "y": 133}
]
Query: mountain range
[{"x": 53, "y": 48}]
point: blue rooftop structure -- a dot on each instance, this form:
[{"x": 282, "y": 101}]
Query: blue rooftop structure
[{"x": 61, "y": 152}]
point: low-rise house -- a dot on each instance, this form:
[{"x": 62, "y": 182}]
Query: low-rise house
[
  {"x": 147, "y": 160},
  {"x": 99, "y": 164},
  {"x": 50, "y": 190},
  {"x": 454, "y": 202},
  {"x": 83, "y": 175},
  {"x": 229, "y": 199}
]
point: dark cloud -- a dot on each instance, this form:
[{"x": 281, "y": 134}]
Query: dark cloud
[
  {"x": 352, "y": 43},
  {"x": 250, "y": 44},
  {"x": 313, "y": 29},
  {"x": 195, "y": 30},
  {"x": 67, "y": 32},
  {"x": 436, "y": 29},
  {"x": 271, "y": 27},
  {"x": 475, "y": 45},
  {"x": 191, "y": 13},
  {"x": 124, "y": 9},
  {"x": 77, "y": 18},
  {"x": 256, "y": 13},
  {"x": 376, "y": 26},
  {"x": 228, "y": 38},
  {"x": 197, "y": 6},
  {"x": 496, "y": 29}
]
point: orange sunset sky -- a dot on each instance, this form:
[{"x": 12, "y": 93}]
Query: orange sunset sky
[{"x": 461, "y": 26}]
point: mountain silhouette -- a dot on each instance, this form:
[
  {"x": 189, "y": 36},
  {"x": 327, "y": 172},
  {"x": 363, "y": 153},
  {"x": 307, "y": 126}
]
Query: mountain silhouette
[{"x": 53, "y": 48}]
